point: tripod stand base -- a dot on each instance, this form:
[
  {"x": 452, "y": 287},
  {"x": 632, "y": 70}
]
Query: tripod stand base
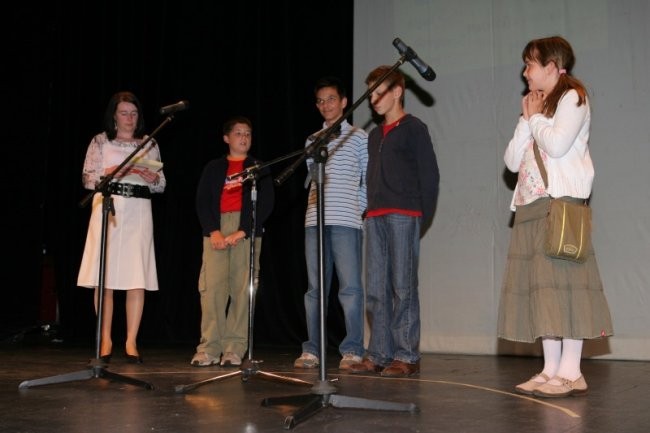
[
  {"x": 96, "y": 370},
  {"x": 249, "y": 368},
  {"x": 310, "y": 404}
]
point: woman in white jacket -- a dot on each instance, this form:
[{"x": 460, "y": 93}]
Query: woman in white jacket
[{"x": 559, "y": 301}]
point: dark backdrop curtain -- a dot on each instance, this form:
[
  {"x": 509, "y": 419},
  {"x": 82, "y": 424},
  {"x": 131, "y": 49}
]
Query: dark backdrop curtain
[{"x": 258, "y": 59}]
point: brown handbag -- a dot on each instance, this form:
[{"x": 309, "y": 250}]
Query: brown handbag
[{"x": 568, "y": 235}]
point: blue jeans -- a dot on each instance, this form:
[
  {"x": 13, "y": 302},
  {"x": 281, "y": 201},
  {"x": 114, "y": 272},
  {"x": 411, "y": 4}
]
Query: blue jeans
[
  {"x": 392, "y": 300},
  {"x": 341, "y": 250}
]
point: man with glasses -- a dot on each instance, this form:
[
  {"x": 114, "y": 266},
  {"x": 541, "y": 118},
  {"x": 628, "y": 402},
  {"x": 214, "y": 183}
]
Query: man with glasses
[{"x": 344, "y": 204}]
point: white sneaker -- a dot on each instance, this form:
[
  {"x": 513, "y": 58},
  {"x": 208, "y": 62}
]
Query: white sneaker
[
  {"x": 230, "y": 358},
  {"x": 348, "y": 360},
  {"x": 306, "y": 360},
  {"x": 202, "y": 359}
]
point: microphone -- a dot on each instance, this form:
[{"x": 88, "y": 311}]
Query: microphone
[
  {"x": 179, "y": 106},
  {"x": 410, "y": 56},
  {"x": 244, "y": 173}
]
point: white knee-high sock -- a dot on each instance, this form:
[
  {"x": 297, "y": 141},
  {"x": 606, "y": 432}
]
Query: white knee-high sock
[
  {"x": 552, "y": 348},
  {"x": 570, "y": 361}
]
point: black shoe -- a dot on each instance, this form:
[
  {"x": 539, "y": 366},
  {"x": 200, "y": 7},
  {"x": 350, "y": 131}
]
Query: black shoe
[
  {"x": 133, "y": 359},
  {"x": 106, "y": 358}
]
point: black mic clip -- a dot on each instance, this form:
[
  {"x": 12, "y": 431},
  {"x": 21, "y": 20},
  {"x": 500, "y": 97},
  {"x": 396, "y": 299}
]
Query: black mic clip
[
  {"x": 173, "y": 108},
  {"x": 325, "y": 135},
  {"x": 409, "y": 55},
  {"x": 246, "y": 174}
]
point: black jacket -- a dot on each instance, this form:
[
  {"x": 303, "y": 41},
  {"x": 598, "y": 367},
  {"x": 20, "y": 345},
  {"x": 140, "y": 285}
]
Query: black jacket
[
  {"x": 208, "y": 197},
  {"x": 402, "y": 168}
]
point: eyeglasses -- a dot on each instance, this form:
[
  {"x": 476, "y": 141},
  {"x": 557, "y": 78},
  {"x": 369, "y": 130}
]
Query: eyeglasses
[{"x": 328, "y": 100}]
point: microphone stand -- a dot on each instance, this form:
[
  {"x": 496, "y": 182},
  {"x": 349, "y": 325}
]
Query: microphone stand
[
  {"x": 324, "y": 393},
  {"x": 250, "y": 366},
  {"x": 97, "y": 368}
]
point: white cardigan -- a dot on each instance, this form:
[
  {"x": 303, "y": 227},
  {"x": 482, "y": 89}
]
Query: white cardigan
[{"x": 564, "y": 138}]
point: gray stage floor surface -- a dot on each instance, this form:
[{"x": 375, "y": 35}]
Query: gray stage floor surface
[{"x": 453, "y": 393}]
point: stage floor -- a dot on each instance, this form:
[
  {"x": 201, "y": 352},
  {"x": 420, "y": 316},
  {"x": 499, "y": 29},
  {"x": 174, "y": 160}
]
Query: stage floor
[{"x": 453, "y": 393}]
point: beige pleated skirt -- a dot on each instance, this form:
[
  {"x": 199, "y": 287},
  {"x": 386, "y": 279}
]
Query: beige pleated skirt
[
  {"x": 130, "y": 254},
  {"x": 545, "y": 297}
]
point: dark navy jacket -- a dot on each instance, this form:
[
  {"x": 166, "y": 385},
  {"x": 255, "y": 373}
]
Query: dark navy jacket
[
  {"x": 208, "y": 197},
  {"x": 402, "y": 168}
]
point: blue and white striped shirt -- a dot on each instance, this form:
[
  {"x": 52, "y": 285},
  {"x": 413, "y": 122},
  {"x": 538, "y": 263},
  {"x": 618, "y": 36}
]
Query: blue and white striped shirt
[{"x": 345, "y": 180}]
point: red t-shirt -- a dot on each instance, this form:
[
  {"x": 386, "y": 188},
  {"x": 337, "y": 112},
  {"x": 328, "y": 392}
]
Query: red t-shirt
[{"x": 231, "y": 196}]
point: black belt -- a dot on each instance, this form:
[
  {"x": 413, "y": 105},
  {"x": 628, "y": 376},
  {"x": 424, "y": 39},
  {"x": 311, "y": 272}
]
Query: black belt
[{"x": 129, "y": 190}]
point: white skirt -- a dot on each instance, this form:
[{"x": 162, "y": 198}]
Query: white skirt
[{"x": 130, "y": 255}]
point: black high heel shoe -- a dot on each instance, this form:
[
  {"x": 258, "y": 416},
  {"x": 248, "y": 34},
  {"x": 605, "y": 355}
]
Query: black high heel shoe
[
  {"x": 134, "y": 359},
  {"x": 106, "y": 358}
]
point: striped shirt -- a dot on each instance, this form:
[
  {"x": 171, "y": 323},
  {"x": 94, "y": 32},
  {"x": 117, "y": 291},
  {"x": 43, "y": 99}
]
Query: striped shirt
[{"x": 345, "y": 180}]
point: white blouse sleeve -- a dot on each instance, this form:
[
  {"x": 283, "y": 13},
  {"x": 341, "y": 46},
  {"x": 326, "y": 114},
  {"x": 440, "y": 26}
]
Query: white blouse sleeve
[
  {"x": 93, "y": 168},
  {"x": 518, "y": 145},
  {"x": 556, "y": 135}
]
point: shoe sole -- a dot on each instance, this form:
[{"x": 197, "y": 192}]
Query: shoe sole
[
  {"x": 523, "y": 391},
  {"x": 198, "y": 364},
  {"x": 400, "y": 374},
  {"x": 373, "y": 371},
  {"x": 572, "y": 393}
]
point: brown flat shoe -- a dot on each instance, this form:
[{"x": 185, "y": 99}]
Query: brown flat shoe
[
  {"x": 401, "y": 369},
  {"x": 529, "y": 386},
  {"x": 365, "y": 366},
  {"x": 565, "y": 388}
]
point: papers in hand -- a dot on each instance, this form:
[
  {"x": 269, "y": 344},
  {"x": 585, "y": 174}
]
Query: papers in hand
[{"x": 151, "y": 164}]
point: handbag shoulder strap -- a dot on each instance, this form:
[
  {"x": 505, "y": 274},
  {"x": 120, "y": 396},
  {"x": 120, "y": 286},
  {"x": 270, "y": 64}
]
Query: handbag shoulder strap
[
  {"x": 542, "y": 169},
  {"x": 540, "y": 164}
]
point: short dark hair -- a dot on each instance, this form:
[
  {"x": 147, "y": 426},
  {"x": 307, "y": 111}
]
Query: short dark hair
[
  {"x": 331, "y": 81},
  {"x": 231, "y": 122}
]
